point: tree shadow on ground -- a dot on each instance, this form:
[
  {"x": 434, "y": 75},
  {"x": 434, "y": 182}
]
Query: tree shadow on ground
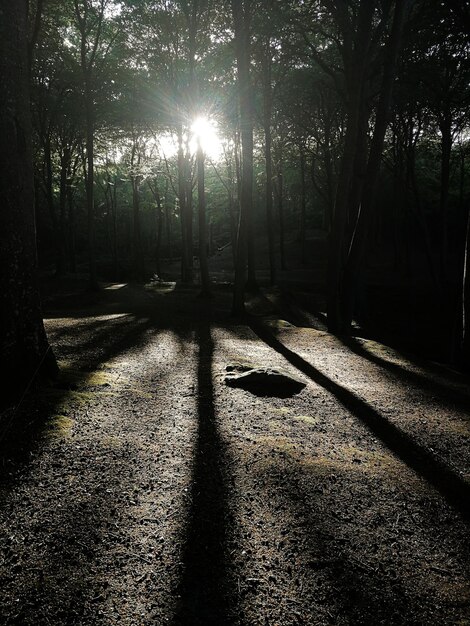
[
  {"x": 454, "y": 489},
  {"x": 350, "y": 572},
  {"x": 445, "y": 390},
  {"x": 59, "y": 584},
  {"x": 445, "y": 385},
  {"x": 307, "y": 309},
  {"x": 204, "y": 596},
  {"x": 24, "y": 426},
  {"x": 93, "y": 344}
]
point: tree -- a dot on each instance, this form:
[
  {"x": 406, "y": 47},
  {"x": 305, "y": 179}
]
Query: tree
[
  {"x": 25, "y": 350},
  {"x": 241, "y": 21},
  {"x": 364, "y": 216},
  {"x": 201, "y": 200},
  {"x": 89, "y": 16}
]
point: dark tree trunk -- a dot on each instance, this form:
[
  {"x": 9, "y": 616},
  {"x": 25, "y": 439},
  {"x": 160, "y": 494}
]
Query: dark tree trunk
[
  {"x": 90, "y": 36},
  {"x": 303, "y": 206},
  {"x": 445, "y": 126},
  {"x": 182, "y": 204},
  {"x": 201, "y": 200},
  {"x": 355, "y": 70},
  {"x": 169, "y": 239},
  {"x": 114, "y": 229},
  {"x": 280, "y": 212},
  {"x": 72, "y": 263},
  {"x": 64, "y": 169},
  {"x": 24, "y": 348},
  {"x": 336, "y": 243},
  {"x": 90, "y": 180},
  {"x": 138, "y": 256},
  {"x": 240, "y": 11},
  {"x": 185, "y": 212},
  {"x": 327, "y": 159},
  {"x": 462, "y": 179},
  {"x": 158, "y": 223},
  {"x": 232, "y": 213},
  {"x": 267, "y": 115},
  {"x": 189, "y": 214},
  {"x": 357, "y": 247},
  {"x": 158, "y": 246},
  {"x": 49, "y": 195},
  {"x": 464, "y": 352},
  {"x": 136, "y": 177}
]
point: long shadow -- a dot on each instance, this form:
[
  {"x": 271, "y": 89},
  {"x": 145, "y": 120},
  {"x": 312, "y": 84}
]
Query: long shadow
[
  {"x": 76, "y": 540},
  {"x": 335, "y": 579},
  {"x": 22, "y": 429},
  {"x": 101, "y": 340},
  {"x": 111, "y": 344},
  {"x": 204, "y": 588},
  {"x": 452, "y": 487},
  {"x": 457, "y": 397},
  {"x": 57, "y": 584}
]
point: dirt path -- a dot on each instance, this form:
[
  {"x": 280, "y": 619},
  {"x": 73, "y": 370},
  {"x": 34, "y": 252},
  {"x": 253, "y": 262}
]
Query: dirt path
[{"x": 154, "y": 494}]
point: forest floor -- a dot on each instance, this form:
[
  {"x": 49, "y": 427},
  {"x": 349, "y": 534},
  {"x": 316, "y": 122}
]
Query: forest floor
[{"x": 148, "y": 492}]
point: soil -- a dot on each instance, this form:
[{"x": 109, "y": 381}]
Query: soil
[{"x": 139, "y": 489}]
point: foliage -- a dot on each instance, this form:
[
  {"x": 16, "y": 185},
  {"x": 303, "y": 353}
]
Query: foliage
[{"x": 159, "y": 64}]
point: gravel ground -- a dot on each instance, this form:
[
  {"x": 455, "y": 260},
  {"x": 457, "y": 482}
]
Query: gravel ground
[{"x": 146, "y": 492}]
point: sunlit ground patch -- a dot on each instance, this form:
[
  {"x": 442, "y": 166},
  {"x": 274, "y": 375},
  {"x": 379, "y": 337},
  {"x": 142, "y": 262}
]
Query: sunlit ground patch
[
  {"x": 278, "y": 324},
  {"x": 341, "y": 458},
  {"x": 307, "y": 419},
  {"x": 59, "y": 427},
  {"x": 160, "y": 286},
  {"x": 115, "y": 286},
  {"x": 76, "y": 379}
]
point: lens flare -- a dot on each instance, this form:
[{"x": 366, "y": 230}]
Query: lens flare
[{"x": 205, "y": 130}]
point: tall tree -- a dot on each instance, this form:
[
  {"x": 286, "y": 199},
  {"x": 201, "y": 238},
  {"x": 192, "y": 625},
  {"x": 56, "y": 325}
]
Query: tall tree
[
  {"x": 364, "y": 217},
  {"x": 241, "y": 11},
  {"x": 89, "y": 16},
  {"x": 201, "y": 201},
  {"x": 24, "y": 347}
]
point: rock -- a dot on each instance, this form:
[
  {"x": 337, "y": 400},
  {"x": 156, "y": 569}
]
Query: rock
[{"x": 263, "y": 381}]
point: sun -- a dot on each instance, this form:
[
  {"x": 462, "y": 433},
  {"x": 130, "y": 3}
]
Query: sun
[{"x": 205, "y": 130}]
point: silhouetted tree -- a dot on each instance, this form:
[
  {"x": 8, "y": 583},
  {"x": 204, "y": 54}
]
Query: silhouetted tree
[{"x": 24, "y": 347}]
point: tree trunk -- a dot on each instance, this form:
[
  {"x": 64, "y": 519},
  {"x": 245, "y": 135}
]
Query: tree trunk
[
  {"x": 169, "y": 241},
  {"x": 303, "y": 206},
  {"x": 189, "y": 213},
  {"x": 464, "y": 355},
  {"x": 201, "y": 200},
  {"x": 90, "y": 180},
  {"x": 267, "y": 115},
  {"x": 72, "y": 262},
  {"x": 445, "y": 126},
  {"x": 158, "y": 246},
  {"x": 64, "y": 169},
  {"x": 336, "y": 243},
  {"x": 115, "y": 231},
  {"x": 280, "y": 211},
  {"x": 158, "y": 223},
  {"x": 24, "y": 349},
  {"x": 327, "y": 159},
  {"x": 186, "y": 248},
  {"x": 139, "y": 270},
  {"x": 355, "y": 80},
  {"x": 240, "y": 11},
  {"x": 357, "y": 247},
  {"x": 49, "y": 195}
]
